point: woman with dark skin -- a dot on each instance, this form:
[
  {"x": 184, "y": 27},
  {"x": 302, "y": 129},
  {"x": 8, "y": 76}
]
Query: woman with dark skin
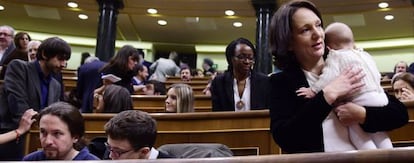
[
  {"x": 318, "y": 124},
  {"x": 240, "y": 88}
]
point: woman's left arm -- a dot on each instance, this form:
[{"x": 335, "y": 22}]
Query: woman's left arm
[
  {"x": 389, "y": 117},
  {"x": 373, "y": 119}
]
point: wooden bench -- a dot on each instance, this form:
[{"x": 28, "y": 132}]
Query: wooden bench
[
  {"x": 395, "y": 155},
  {"x": 156, "y": 103},
  {"x": 69, "y": 73},
  {"x": 69, "y": 83},
  {"x": 178, "y": 79},
  {"x": 198, "y": 87},
  {"x": 389, "y": 155},
  {"x": 193, "y": 84},
  {"x": 410, "y": 109},
  {"x": 386, "y": 82},
  {"x": 198, "y": 90},
  {"x": 243, "y": 132}
]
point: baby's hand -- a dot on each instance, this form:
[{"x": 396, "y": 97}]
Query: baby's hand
[{"x": 306, "y": 92}]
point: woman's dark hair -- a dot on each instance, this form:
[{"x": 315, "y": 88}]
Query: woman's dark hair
[
  {"x": 281, "y": 32},
  {"x": 19, "y": 36},
  {"x": 411, "y": 68},
  {"x": 231, "y": 47},
  {"x": 404, "y": 76},
  {"x": 116, "y": 99},
  {"x": 72, "y": 117},
  {"x": 84, "y": 56},
  {"x": 120, "y": 61},
  {"x": 159, "y": 87},
  {"x": 138, "y": 68}
]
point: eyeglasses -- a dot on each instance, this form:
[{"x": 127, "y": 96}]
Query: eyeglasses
[
  {"x": 5, "y": 34},
  {"x": 117, "y": 152},
  {"x": 244, "y": 58}
]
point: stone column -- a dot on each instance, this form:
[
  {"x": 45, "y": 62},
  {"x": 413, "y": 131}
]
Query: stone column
[
  {"x": 264, "y": 12},
  {"x": 105, "y": 39}
]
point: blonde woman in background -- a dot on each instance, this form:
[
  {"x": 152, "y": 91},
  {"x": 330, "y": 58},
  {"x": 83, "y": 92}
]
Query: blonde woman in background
[{"x": 180, "y": 99}]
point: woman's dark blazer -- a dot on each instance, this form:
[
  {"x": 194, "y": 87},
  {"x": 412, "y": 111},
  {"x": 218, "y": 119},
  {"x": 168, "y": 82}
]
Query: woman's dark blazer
[
  {"x": 222, "y": 92},
  {"x": 296, "y": 122}
]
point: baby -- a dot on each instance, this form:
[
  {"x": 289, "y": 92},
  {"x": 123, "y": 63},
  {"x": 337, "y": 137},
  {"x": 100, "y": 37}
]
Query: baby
[{"x": 343, "y": 55}]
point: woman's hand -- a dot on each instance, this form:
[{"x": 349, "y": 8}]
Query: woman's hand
[
  {"x": 26, "y": 121},
  {"x": 406, "y": 95},
  {"x": 348, "y": 82},
  {"x": 350, "y": 113}
]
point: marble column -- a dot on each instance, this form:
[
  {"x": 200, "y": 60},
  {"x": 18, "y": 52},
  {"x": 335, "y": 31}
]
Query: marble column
[
  {"x": 105, "y": 39},
  {"x": 264, "y": 12}
]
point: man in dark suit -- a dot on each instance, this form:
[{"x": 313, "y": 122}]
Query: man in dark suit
[
  {"x": 131, "y": 135},
  {"x": 30, "y": 85},
  {"x": 6, "y": 42},
  {"x": 89, "y": 78}
]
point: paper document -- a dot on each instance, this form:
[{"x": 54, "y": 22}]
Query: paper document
[{"x": 111, "y": 77}]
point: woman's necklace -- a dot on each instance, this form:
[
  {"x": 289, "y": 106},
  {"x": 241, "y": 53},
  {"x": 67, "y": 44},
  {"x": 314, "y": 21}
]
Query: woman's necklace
[{"x": 240, "y": 88}]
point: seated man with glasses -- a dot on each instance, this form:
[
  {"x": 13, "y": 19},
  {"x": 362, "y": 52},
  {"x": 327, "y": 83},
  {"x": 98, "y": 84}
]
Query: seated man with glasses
[
  {"x": 131, "y": 135},
  {"x": 240, "y": 88}
]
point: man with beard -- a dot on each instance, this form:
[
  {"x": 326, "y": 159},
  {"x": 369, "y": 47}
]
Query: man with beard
[
  {"x": 185, "y": 74},
  {"x": 62, "y": 129},
  {"x": 6, "y": 42},
  {"x": 30, "y": 85}
]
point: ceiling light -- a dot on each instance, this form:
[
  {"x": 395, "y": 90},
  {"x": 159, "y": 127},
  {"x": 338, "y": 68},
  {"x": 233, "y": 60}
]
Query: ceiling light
[
  {"x": 237, "y": 24},
  {"x": 162, "y": 22},
  {"x": 1, "y": 8},
  {"x": 152, "y": 11},
  {"x": 72, "y": 4},
  {"x": 229, "y": 12},
  {"x": 383, "y": 5},
  {"x": 83, "y": 16},
  {"x": 388, "y": 17}
]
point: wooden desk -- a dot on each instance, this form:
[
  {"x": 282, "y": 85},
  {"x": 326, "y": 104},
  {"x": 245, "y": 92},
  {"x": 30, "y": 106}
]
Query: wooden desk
[
  {"x": 156, "y": 103},
  {"x": 388, "y": 89},
  {"x": 395, "y": 155},
  {"x": 238, "y": 130},
  {"x": 241, "y": 131},
  {"x": 198, "y": 90},
  {"x": 193, "y": 84},
  {"x": 178, "y": 79},
  {"x": 384, "y": 156},
  {"x": 69, "y": 83},
  {"x": 386, "y": 82},
  {"x": 198, "y": 86},
  {"x": 69, "y": 73},
  {"x": 410, "y": 109}
]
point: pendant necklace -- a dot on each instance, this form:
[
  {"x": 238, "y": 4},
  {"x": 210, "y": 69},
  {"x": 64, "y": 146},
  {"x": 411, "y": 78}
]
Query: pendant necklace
[{"x": 240, "y": 104}]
